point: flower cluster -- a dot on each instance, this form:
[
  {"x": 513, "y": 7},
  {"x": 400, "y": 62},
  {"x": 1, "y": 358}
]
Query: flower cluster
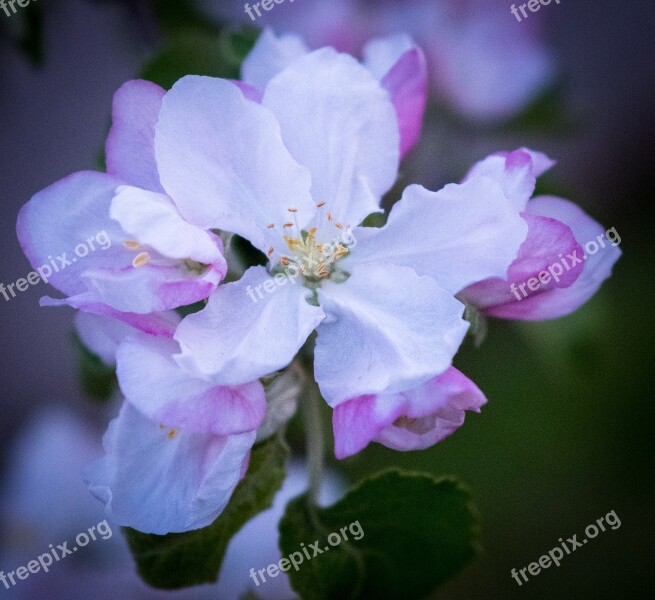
[{"x": 298, "y": 152}]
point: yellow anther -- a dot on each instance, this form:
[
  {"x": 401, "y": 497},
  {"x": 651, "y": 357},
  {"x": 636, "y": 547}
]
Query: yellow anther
[
  {"x": 270, "y": 252},
  {"x": 270, "y": 226},
  {"x": 321, "y": 204},
  {"x": 171, "y": 434},
  {"x": 292, "y": 210},
  {"x": 131, "y": 244},
  {"x": 141, "y": 260},
  {"x": 340, "y": 251},
  {"x": 288, "y": 225}
]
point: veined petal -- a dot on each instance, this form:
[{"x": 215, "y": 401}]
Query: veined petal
[
  {"x": 153, "y": 382},
  {"x": 597, "y": 266},
  {"x": 516, "y": 172},
  {"x": 153, "y": 220},
  {"x": 458, "y": 235},
  {"x": 74, "y": 211},
  {"x": 339, "y": 122},
  {"x": 160, "y": 482},
  {"x": 248, "y": 329},
  {"x": 387, "y": 330},
  {"x": 402, "y": 69},
  {"x": 270, "y": 55},
  {"x": 411, "y": 420},
  {"x": 130, "y": 152},
  {"x": 222, "y": 161}
]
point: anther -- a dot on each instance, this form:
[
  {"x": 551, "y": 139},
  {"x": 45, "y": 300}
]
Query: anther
[{"x": 141, "y": 260}]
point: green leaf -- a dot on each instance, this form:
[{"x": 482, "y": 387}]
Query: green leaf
[
  {"x": 183, "y": 14},
  {"x": 184, "y": 559},
  {"x": 418, "y": 531},
  {"x": 198, "y": 52},
  {"x": 97, "y": 379}
]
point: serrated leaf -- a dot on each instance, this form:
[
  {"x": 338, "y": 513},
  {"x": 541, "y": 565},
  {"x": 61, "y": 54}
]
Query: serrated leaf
[
  {"x": 184, "y": 559},
  {"x": 418, "y": 531}
]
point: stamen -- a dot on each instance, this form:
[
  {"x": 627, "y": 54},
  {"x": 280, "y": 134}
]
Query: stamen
[
  {"x": 321, "y": 204},
  {"x": 141, "y": 260},
  {"x": 171, "y": 434},
  {"x": 338, "y": 225},
  {"x": 131, "y": 244},
  {"x": 292, "y": 210},
  {"x": 287, "y": 225},
  {"x": 270, "y": 252},
  {"x": 270, "y": 226}
]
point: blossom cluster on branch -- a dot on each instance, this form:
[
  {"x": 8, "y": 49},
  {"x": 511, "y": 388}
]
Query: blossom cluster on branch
[{"x": 298, "y": 152}]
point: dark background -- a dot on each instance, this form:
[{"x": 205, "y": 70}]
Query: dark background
[{"x": 567, "y": 435}]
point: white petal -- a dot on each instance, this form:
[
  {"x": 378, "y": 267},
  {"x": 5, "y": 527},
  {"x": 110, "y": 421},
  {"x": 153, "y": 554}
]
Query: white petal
[
  {"x": 159, "y": 482},
  {"x": 222, "y": 161},
  {"x": 339, "y": 122},
  {"x": 459, "y": 235},
  {"x": 245, "y": 331},
  {"x": 387, "y": 330},
  {"x": 154, "y": 221},
  {"x": 270, "y": 55}
]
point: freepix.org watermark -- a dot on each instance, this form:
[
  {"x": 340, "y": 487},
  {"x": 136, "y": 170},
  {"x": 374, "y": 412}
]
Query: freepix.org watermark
[
  {"x": 267, "y": 5},
  {"x": 45, "y": 561},
  {"x": 571, "y": 545},
  {"x": 532, "y": 6},
  {"x": 295, "y": 559},
  {"x": 556, "y": 270},
  {"x": 59, "y": 263},
  {"x": 7, "y": 4}
]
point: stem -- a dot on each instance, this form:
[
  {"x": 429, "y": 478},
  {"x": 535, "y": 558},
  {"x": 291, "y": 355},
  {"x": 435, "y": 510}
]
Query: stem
[{"x": 314, "y": 441}]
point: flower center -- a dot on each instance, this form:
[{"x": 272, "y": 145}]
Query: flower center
[
  {"x": 314, "y": 260},
  {"x": 309, "y": 255}
]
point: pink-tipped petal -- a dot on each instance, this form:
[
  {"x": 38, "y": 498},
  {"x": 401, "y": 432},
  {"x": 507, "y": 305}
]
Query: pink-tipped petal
[
  {"x": 130, "y": 153},
  {"x": 403, "y": 72},
  {"x": 410, "y": 420}
]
